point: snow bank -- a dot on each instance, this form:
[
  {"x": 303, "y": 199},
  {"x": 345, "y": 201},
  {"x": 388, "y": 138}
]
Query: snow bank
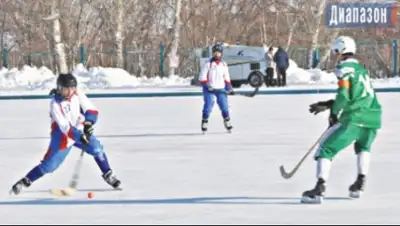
[{"x": 30, "y": 79}]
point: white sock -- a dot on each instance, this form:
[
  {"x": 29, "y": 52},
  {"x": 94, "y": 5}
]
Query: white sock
[
  {"x": 323, "y": 168},
  {"x": 363, "y": 160}
]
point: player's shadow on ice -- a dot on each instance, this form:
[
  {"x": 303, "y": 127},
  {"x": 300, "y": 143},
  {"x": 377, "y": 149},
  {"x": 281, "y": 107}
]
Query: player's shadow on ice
[
  {"x": 156, "y": 135},
  {"x": 78, "y": 190},
  {"x": 173, "y": 201},
  {"x": 122, "y": 135}
]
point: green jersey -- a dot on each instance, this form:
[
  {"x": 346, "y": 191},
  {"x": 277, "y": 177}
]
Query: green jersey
[{"x": 356, "y": 101}]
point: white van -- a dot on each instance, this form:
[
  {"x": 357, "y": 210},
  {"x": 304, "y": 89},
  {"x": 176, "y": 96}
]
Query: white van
[{"x": 247, "y": 64}]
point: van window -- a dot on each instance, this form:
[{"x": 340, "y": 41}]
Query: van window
[
  {"x": 254, "y": 66},
  {"x": 205, "y": 53}
]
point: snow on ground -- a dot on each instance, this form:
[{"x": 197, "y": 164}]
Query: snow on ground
[{"x": 32, "y": 80}]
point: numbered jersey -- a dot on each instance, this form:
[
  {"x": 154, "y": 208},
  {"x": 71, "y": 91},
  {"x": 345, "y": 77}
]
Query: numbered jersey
[
  {"x": 67, "y": 117},
  {"x": 356, "y": 101}
]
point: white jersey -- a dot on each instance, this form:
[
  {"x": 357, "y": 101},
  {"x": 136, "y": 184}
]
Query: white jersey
[
  {"x": 215, "y": 74},
  {"x": 67, "y": 117}
]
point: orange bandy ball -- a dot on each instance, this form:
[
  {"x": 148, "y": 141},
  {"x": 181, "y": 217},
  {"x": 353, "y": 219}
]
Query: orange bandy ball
[{"x": 90, "y": 195}]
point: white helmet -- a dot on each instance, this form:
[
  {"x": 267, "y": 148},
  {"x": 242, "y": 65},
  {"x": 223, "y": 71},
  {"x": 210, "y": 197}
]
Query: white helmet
[{"x": 343, "y": 44}]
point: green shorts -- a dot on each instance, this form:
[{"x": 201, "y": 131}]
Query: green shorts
[{"x": 341, "y": 136}]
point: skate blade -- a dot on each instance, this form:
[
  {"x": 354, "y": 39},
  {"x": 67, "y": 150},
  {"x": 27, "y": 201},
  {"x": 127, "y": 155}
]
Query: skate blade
[
  {"x": 308, "y": 200},
  {"x": 11, "y": 192},
  {"x": 63, "y": 192},
  {"x": 355, "y": 194}
]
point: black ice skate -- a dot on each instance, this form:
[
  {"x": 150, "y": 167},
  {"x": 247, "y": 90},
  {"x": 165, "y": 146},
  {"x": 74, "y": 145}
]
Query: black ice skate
[
  {"x": 17, "y": 187},
  {"x": 357, "y": 188},
  {"x": 112, "y": 180},
  {"x": 316, "y": 195},
  {"x": 227, "y": 124},
  {"x": 204, "y": 125}
]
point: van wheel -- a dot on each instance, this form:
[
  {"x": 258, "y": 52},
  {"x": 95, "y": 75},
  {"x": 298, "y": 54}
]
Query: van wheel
[
  {"x": 236, "y": 84},
  {"x": 256, "y": 79}
]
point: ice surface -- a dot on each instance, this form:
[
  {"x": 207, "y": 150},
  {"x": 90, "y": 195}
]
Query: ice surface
[{"x": 173, "y": 175}]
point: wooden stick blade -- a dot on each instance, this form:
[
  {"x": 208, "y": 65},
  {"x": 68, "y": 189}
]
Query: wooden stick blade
[{"x": 63, "y": 191}]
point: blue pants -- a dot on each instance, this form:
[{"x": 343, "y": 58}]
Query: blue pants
[
  {"x": 55, "y": 157},
  {"x": 209, "y": 99}
]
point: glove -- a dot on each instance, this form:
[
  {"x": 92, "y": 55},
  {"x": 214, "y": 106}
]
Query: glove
[
  {"x": 230, "y": 92},
  {"x": 208, "y": 88},
  {"x": 88, "y": 128},
  {"x": 333, "y": 119},
  {"x": 84, "y": 139},
  {"x": 321, "y": 106}
]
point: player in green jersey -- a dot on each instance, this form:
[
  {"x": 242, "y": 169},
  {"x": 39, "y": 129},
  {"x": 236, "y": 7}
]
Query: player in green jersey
[{"x": 355, "y": 117}]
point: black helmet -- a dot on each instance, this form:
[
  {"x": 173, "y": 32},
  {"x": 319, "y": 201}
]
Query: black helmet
[
  {"x": 217, "y": 48},
  {"x": 66, "y": 81}
]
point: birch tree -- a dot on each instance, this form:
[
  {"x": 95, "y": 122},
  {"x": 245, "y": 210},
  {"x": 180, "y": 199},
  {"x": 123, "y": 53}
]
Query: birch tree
[
  {"x": 317, "y": 19},
  {"x": 119, "y": 39},
  {"x": 327, "y": 50},
  {"x": 292, "y": 23},
  {"x": 58, "y": 44},
  {"x": 174, "y": 58},
  {"x": 178, "y": 25}
]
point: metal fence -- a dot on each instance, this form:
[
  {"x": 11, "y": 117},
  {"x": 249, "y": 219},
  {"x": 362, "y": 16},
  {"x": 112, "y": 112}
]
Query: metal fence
[
  {"x": 148, "y": 63},
  {"x": 377, "y": 56}
]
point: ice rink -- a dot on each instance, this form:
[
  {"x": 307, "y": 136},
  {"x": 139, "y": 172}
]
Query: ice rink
[{"x": 172, "y": 174}]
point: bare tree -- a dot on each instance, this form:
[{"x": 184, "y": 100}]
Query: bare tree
[
  {"x": 119, "y": 35},
  {"x": 174, "y": 58},
  {"x": 292, "y": 19},
  {"x": 59, "y": 45},
  {"x": 147, "y": 24},
  {"x": 317, "y": 18}
]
